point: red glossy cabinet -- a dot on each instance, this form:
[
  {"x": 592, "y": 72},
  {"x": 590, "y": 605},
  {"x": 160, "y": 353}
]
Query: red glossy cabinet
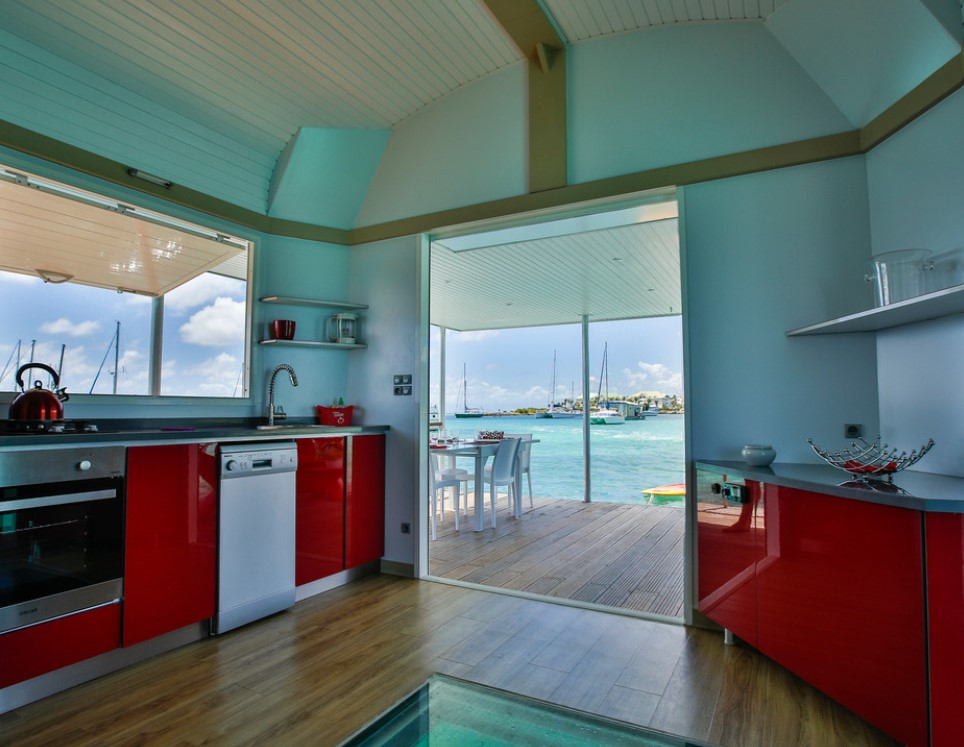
[
  {"x": 340, "y": 499},
  {"x": 840, "y": 593},
  {"x": 171, "y": 531},
  {"x": 832, "y": 589},
  {"x": 30, "y": 652},
  {"x": 945, "y": 619},
  {"x": 320, "y": 509},
  {"x": 730, "y": 536},
  {"x": 365, "y": 500}
]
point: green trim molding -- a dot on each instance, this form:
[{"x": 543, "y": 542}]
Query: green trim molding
[{"x": 928, "y": 94}]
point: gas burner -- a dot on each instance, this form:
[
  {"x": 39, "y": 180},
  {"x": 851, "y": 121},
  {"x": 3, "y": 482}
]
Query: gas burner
[{"x": 44, "y": 427}]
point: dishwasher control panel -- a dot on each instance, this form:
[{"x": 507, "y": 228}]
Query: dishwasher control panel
[{"x": 239, "y": 460}]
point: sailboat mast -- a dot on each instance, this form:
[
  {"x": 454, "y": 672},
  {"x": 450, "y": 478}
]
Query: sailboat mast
[{"x": 116, "y": 354}]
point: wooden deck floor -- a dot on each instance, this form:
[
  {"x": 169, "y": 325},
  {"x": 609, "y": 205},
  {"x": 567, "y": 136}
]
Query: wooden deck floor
[{"x": 624, "y": 556}]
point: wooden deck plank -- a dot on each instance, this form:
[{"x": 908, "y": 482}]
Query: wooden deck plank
[{"x": 620, "y": 555}]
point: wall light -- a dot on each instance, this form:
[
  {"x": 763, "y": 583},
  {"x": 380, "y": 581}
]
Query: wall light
[{"x": 153, "y": 179}]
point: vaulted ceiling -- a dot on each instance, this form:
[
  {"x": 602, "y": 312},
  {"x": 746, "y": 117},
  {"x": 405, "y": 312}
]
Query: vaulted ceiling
[{"x": 257, "y": 73}]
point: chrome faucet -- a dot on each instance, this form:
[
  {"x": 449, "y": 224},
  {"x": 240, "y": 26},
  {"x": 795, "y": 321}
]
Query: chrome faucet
[{"x": 274, "y": 375}]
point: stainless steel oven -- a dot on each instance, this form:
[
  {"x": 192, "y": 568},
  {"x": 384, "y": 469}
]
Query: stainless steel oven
[{"x": 61, "y": 532}]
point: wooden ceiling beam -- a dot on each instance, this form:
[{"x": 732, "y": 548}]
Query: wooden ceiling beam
[{"x": 530, "y": 29}]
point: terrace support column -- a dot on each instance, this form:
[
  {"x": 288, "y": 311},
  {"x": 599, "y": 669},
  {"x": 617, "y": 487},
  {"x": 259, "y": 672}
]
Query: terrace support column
[
  {"x": 441, "y": 377},
  {"x": 587, "y": 464}
]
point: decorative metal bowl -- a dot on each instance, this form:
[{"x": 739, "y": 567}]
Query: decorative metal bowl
[{"x": 871, "y": 461}]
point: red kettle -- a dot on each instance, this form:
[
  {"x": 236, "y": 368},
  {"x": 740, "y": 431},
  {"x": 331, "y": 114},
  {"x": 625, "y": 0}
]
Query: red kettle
[{"x": 38, "y": 403}]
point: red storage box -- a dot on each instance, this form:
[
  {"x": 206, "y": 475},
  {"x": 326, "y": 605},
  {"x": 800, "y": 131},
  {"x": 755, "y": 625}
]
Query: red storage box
[{"x": 334, "y": 415}]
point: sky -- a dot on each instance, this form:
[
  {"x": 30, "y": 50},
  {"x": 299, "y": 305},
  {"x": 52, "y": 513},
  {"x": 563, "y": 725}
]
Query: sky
[
  {"x": 203, "y": 351},
  {"x": 510, "y": 369}
]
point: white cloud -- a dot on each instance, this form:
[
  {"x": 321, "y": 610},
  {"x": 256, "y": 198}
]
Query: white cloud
[
  {"x": 203, "y": 289},
  {"x": 654, "y": 376},
  {"x": 18, "y": 278},
  {"x": 64, "y": 326},
  {"x": 220, "y": 375},
  {"x": 219, "y": 324}
]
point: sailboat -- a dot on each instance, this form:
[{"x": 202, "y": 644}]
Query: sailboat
[
  {"x": 605, "y": 415},
  {"x": 554, "y": 409},
  {"x": 466, "y": 411}
]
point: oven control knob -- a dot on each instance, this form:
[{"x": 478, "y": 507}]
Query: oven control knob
[{"x": 84, "y": 465}]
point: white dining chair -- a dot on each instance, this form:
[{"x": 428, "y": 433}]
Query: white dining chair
[
  {"x": 502, "y": 473},
  {"x": 438, "y": 484},
  {"x": 525, "y": 451}
]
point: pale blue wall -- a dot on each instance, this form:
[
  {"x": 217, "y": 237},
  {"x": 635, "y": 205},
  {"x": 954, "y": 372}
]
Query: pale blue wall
[
  {"x": 467, "y": 148},
  {"x": 303, "y": 269},
  {"x": 916, "y": 185},
  {"x": 386, "y": 276},
  {"x": 766, "y": 253},
  {"x": 672, "y": 95},
  {"x": 323, "y": 175}
]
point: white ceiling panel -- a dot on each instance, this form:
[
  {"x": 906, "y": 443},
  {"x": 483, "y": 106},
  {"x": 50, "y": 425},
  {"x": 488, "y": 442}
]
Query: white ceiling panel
[
  {"x": 624, "y": 272},
  {"x": 98, "y": 243},
  {"x": 261, "y": 70},
  {"x": 589, "y": 19}
]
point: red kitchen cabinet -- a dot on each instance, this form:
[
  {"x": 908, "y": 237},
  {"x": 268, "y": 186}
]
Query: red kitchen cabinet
[
  {"x": 30, "y": 652},
  {"x": 171, "y": 531},
  {"x": 319, "y": 509},
  {"x": 730, "y": 542},
  {"x": 365, "y": 500},
  {"x": 841, "y": 603},
  {"x": 945, "y": 618}
]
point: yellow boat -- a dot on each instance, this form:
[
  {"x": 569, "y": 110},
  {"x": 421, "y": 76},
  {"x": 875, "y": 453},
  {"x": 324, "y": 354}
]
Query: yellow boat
[{"x": 666, "y": 493}]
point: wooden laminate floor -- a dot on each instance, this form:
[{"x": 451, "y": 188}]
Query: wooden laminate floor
[
  {"x": 316, "y": 673},
  {"x": 618, "y": 555}
]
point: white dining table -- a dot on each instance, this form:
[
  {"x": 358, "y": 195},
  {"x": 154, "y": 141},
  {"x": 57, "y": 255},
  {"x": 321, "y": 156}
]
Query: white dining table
[{"x": 480, "y": 451}]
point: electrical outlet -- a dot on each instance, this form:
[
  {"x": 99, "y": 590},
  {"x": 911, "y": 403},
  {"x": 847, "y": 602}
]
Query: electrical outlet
[
  {"x": 406, "y": 390},
  {"x": 406, "y": 528},
  {"x": 853, "y": 430},
  {"x": 398, "y": 391},
  {"x": 397, "y": 379}
]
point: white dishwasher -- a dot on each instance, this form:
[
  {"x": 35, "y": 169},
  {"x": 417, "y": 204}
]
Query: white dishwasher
[{"x": 256, "y": 532}]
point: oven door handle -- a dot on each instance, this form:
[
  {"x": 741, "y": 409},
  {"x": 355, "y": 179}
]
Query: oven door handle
[{"x": 57, "y": 500}]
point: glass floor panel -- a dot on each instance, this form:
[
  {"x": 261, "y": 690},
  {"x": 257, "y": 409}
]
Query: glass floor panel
[{"x": 450, "y": 712}]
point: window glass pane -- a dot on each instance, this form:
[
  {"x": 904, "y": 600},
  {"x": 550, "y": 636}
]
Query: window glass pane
[
  {"x": 78, "y": 325},
  {"x": 204, "y": 338}
]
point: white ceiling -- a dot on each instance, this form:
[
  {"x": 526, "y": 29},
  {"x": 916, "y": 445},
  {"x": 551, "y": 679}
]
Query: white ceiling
[
  {"x": 602, "y": 266},
  {"x": 579, "y": 21}
]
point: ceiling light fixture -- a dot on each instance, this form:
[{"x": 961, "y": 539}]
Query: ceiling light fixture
[
  {"x": 152, "y": 178},
  {"x": 52, "y": 276}
]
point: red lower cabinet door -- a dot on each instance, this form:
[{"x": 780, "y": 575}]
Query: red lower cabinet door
[
  {"x": 945, "y": 617},
  {"x": 320, "y": 509},
  {"x": 30, "y": 652},
  {"x": 365, "y": 500},
  {"x": 841, "y": 604},
  {"x": 170, "y": 544},
  {"x": 729, "y": 537}
]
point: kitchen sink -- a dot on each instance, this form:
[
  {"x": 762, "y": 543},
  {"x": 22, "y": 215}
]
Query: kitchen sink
[{"x": 306, "y": 426}]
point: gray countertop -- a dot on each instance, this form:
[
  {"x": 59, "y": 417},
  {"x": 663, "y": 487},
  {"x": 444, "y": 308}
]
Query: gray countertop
[
  {"x": 920, "y": 491},
  {"x": 134, "y": 433}
]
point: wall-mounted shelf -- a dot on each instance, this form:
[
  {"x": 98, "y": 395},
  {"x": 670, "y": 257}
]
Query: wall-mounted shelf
[
  {"x": 319, "y": 304},
  {"x": 934, "y": 305},
  {"x": 315, "y": 344}
]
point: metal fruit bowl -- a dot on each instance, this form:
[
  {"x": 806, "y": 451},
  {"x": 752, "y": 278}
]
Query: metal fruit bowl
[{"x": 872, "y": 460}]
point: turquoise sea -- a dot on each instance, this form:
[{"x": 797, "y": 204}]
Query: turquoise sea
[{"x": 626, "y": 459}]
